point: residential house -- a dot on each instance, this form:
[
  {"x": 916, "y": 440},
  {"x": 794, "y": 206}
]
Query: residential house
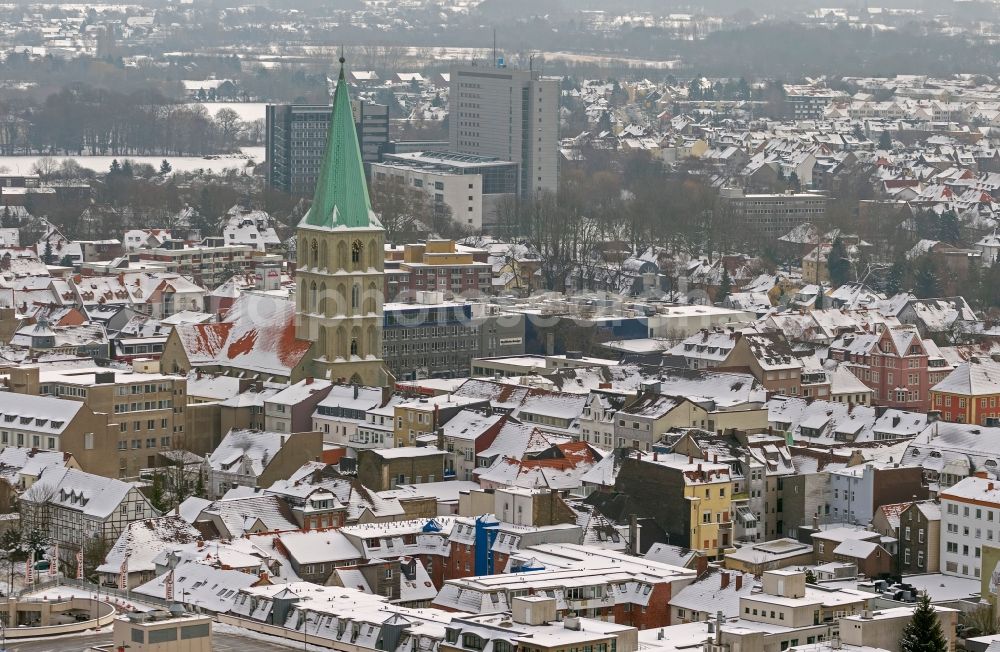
[
  {"x": 969, "y": 394},
  {"x": 247, "y": 458},
  {"x": 73, "y": 509},
  {"x": 423, "y": 416},
  {"x": 464, "y": 436},
  {"x": 292, "y": 408},
  {"x": 383, "y": 469},
  {"x": 769, "y": 359},
  {"x": 694, "y": 504},
  {"x": 892, "y": 361},
  {"x": 339, "y": 415}
]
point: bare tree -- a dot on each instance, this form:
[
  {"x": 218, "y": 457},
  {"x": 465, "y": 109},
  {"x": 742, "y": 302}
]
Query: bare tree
[{"x": 404, "y": 211}]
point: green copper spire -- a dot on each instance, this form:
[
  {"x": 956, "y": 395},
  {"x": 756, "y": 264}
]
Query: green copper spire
[{"x": 341, "y": 197}]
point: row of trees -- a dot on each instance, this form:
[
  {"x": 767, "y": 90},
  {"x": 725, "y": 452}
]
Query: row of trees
[
  {"x": 136, "y": 196},
  {"x": 81, "y": 119}
]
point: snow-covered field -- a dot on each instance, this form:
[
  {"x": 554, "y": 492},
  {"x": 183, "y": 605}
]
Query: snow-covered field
[
  {"x": 212, "y": 163},
  {"x": 248, "y": 111}
]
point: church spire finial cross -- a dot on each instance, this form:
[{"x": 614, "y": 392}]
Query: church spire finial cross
[{"x": 342, "y": 59}]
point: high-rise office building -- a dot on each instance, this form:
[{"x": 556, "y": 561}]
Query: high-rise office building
[
  {"x": 296, "y": 141},
  {"x": 511, "y": 115}
]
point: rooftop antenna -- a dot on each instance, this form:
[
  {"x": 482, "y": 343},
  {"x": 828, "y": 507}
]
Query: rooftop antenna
[{"x": 494, "y": 47}]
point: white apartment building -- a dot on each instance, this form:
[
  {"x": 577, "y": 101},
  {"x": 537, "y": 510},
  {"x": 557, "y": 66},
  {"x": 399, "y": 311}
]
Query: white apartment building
[
  {"x": 471, "y": 187},
  {"x": 970, "y": 519},
  {"x": 462, "y": 194}
]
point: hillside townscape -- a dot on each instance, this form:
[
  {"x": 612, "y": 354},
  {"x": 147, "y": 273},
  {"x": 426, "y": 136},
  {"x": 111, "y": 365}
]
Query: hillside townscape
[{"x": 496, "y": 326}]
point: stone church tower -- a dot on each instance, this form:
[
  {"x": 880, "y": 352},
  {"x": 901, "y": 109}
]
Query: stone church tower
[{"x": 340, "y": 258}]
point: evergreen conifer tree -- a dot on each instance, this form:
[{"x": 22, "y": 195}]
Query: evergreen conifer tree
[{"x": 923, "y": 633}]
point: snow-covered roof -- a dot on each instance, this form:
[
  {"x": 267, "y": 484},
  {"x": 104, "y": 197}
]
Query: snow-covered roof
[
  {"x": 142, "y": 541},
  {"x": 979, "y": 376},
  {"x": 250, "y": 449},
  {"x": 257, "y": 334},
  {"x": 707, "y": 595},
  {"x": 202, "y": 586},
  {"x": 318, "y": 547},
  {"x": 18, "y": 463},
  {"x": 982, "y": 490},
  {"x": 92, "y": 495},
  {"x": 40, "y": 414}
]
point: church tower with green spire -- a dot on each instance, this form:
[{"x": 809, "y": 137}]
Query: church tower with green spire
[{"x": 340, "y": 261}]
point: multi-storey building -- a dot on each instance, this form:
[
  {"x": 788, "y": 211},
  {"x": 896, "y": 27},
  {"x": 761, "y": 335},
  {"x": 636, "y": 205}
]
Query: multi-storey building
[
  {"x": 785, "y": 613},
  {"x": 471, "y": 187},
  {"x": 770, "y": 359},
  {"x": 970, "y": 393},
  {"x": 508, "y": 114},
  {"x": 209, "y": 264},
  {"x": 597, "y": 422},
  {"x": 343, "y": 410},
  {"x": 919, "y": 534},
  {"x": 292, "y": 408},
  {"x": 145, "y": 412},
  {"x": 256, "y": 459},
  {"x": 695, "y": 496},
  {"x": 438, "y": 266},
  {"x": 809, "y": 104},
  {"x": 296, "y": 136},
  {"x": 856, "y": 492},
  {"x": 892, "y": 361},
  {"x": 53, "y": 424},
  {"x": 773, "y": 215},
  {"x": 440, "y": 339},
  {"x": 586, "y": 581},
  {"x": 423, "y": 416},
  {"x": 970, "y": 519},
  {"x": 466, "y": 435}
]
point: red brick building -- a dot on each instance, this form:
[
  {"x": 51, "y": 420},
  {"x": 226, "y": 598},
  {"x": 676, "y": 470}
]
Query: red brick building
[{"x": 891, "y": 361}]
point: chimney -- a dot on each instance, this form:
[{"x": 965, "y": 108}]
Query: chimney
[
  {"x": 633, "y": 534},
  {"x": 816, "y": 522},
  {"x": 656, "y": 456},
  {"x": 355, "y": 391},
  {"x": 978, "y": 474},
  {"x": 739, "y": 581},
  {"x": 309, "y": 380},
  {"x": 989, "y": 486},
  {"x": 724, "y": 581}
]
